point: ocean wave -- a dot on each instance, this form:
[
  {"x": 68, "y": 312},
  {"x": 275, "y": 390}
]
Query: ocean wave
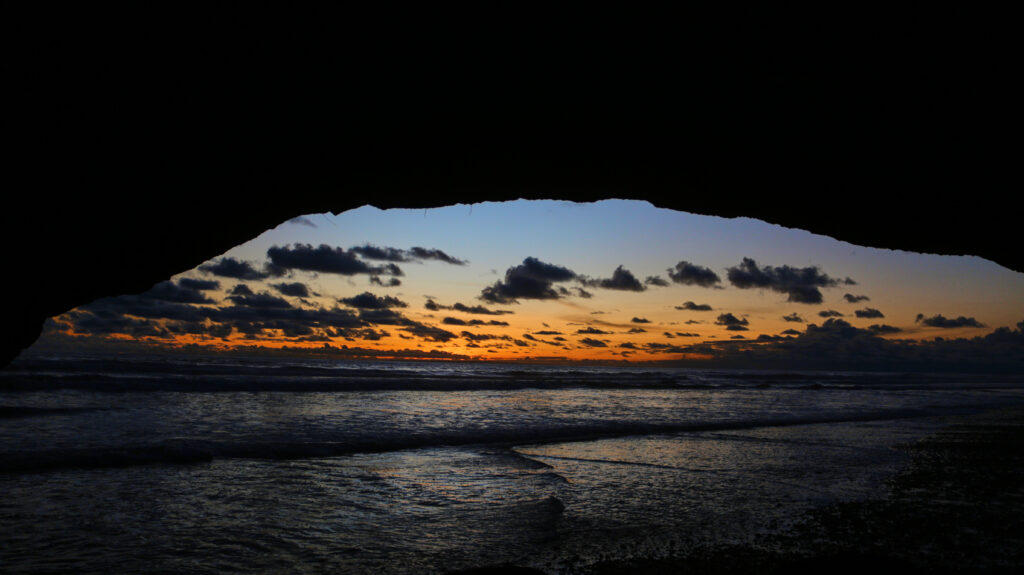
[{"x": 194, "y": 451}]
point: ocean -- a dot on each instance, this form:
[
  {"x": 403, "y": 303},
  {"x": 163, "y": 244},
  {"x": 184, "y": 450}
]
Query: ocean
[{"x": 195, "y": 464}]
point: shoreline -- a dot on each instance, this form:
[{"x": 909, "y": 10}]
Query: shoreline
[{"x": 957, "y": 507}]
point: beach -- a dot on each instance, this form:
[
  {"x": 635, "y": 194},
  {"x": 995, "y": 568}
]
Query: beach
[
  {"x": 243, "y": 465},
  {"x": 958, "y": 507}
]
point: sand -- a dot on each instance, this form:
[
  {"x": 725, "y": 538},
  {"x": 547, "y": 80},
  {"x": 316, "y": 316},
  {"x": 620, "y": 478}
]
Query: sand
[{"x": 957, "y": 508}]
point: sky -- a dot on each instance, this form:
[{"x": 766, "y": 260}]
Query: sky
[{"x": 563, "y": 281}]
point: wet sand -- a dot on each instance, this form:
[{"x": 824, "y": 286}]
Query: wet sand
[{"x": 958, "y": 507}]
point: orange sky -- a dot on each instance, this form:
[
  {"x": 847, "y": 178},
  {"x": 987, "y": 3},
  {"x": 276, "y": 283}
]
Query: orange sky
[{"x": 618, "y": 287}]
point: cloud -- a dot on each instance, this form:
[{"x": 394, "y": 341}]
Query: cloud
[
  {"x": 429, "y": 332},
  {"x": 229, "y": 267},
  {"x": 793, "y": 317},
  {"x": 533, "y": 279},
  {"x": 296, "y": 289},
  {"x": 491, "y": 322},
  {"x": 855, "y": 298},
  {"x": 690, "y": 274},
  {"x": 791, "y": 332},
  {"x": 241, "y": 289},
  {"x": 592, "y": 331},
  {"x": 198, "y": 284},
  {"x": 947, "y": 323},
  {"x": 478, "y": 309},
  {"x": 593, "y": 342},
  {"x": 302, "y": 221},
  {"x": 484, "y": 336},
  {"x": 628, "y": 345},
  {"x": 377, "y": 253},
  {"x": 868, "y": 312},
  {"x": 656, "y": 281},
  {"x": 453, "y": 321},
  {"x": 637, "y": 330},
  {"x": 260, "y": 300},
  {"x": 435, "y": 254},
  {"x": 830, "y": 313},
  {"x": 325, "y": 259},
  {"x": 622, "y": 279},
  {"x": 171, "y": 292},
  {"x": 690, "y": 306},
  {"x": 392, "y": 282},
  {"x": 800, "y": 284},
  {"x": 399, "y": 255},
  {"x": 881, "y": 328},
  {"x": 732, "y": 323},
  {"x": 367, "y": 300},
  {"x": 640, "y": 320}
]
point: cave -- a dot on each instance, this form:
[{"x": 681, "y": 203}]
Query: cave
[{"x": 131, "y": 171}]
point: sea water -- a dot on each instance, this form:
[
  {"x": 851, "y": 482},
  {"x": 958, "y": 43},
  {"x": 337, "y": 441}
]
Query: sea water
[{"x": 192, "y": 464}]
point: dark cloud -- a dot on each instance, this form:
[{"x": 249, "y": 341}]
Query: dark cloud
[
  {"x": 453, "y": 321},
  {"x": 669, "y": 335},
  {"x": 302, "y": 221},
  {"x": 229, "y": 267},
  {"x": 882, "y": 328},
  {"x": 583, "y": 293},
  {"x": 532, "y": 279},
  {"x": 690, "y": 274},
  {"x": 325, "y": 259},
  {"x": 484, "y": 336},
  {"x": 855, "y": 298},
  {"x": 433, "y": 305},
  {"x": 622, "y": 279},
  {"x": 640, "y": 320},
  {"x": 947, "y": 323},
  {"x": 434, "y": 254},
  {"x": 628, "y": 345},
  {"x": 791, "y": 332},
  {"x": 479, "y": 309},
  {"x": 392, "y": 282},
  {"x": 399, "y": 255},
  {"x": 637, "y": 330},
  {"x": 868, "y": 312},
  {"x": 592, "y": 331},
  {"x": 295, "y": 289},
  {"x": 367, "y": 300},
  {"x": 690, "y": 306},
  {"x": 384, "y": 316},
  {"x": 656, "y": 281},
  {"x": 548, "y": 332},
  {"x": 490, "y": 322},
  {"x": 377, "y": 253},
  {"x": 520, "y": 343},
  {"x": 593, "y": 342},
  {"x": 198, "y": 284},
  {"x": 732, "y": 322},
  {"x": 830, "y": 313},
  {"x": 838, "y": 345},
  {"x": 800, "y": 284},
  {"x": 429, "y": 333},
  {"x": 260, "y": 300},
  {"x": 793, "y": 317},
  {"x": 687, "y": 334},
  {"x": 241, "y": 289},
  {"x": 171, "y": 292}
]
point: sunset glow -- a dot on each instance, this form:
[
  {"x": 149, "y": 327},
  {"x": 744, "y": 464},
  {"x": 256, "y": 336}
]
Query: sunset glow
[{"x": 551, "y": 281}]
